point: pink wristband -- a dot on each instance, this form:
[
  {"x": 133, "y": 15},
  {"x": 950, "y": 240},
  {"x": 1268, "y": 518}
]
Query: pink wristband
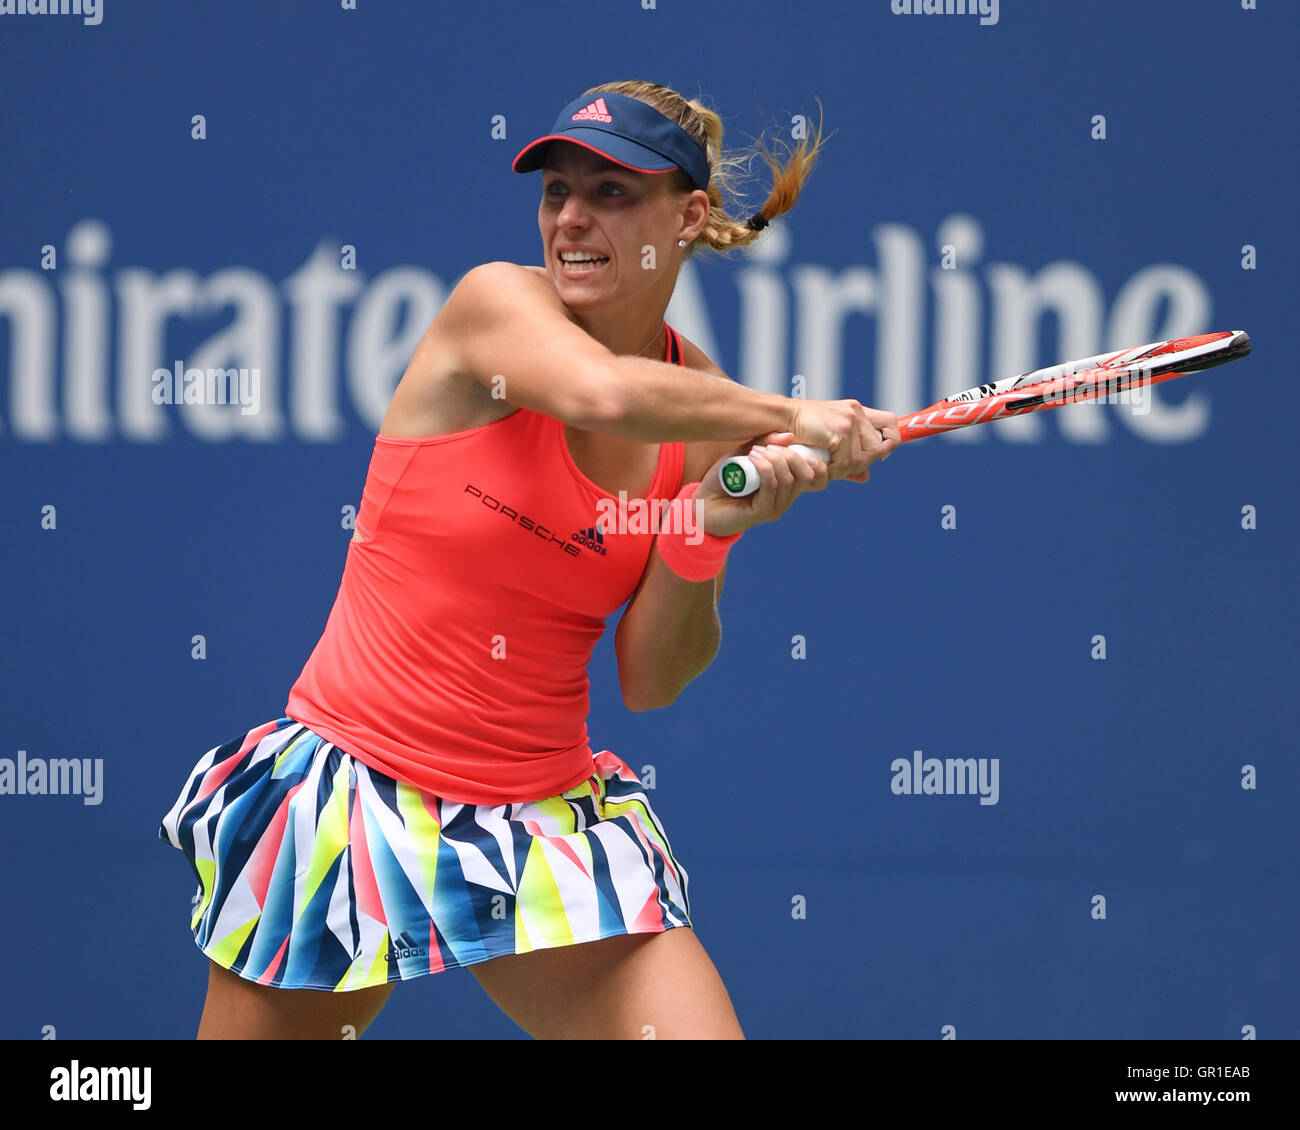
[{"x": 701, "y": 561}]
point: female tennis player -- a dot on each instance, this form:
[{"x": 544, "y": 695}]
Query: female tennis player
[{"x": 430, "y": 799}]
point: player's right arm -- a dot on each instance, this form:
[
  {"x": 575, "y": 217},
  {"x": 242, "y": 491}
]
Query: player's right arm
[{"x": 508, "y": 330}]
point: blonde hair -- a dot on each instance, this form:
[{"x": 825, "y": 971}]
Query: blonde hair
[{"x": 722, "y": 232}]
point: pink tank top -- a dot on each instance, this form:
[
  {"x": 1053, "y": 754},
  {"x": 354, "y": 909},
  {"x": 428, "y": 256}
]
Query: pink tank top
[{"x": 455, "y": 655}]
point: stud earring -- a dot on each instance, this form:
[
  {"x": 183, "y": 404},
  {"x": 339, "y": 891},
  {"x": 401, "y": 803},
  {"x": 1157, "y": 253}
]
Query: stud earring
[{"x": 681, "y": 243}]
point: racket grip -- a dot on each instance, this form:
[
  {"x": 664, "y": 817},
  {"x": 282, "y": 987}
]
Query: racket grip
[{"x": 738, "y": 476}]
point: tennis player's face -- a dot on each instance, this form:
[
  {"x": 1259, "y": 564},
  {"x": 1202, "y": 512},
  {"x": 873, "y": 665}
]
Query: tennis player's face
[{"x": 594, "y": 207}]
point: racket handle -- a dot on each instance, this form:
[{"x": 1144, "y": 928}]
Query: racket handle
[{"x": 738, "y": 476}]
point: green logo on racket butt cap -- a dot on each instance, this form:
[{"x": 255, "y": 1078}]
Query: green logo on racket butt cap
[
  {"x": 739, "y": 477},
  {"x": 736, "y": 476}
]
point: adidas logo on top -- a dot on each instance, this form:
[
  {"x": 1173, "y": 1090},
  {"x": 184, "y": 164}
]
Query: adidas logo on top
[
  {"x": 594, "y": 112},
  {"x": 593, "y": 538}
]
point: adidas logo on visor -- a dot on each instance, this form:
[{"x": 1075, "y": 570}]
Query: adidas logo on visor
[{"x": 593, "y": 112}]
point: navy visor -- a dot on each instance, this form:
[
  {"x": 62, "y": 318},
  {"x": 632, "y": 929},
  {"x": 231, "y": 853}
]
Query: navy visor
[{"x": 624, "y": 130}]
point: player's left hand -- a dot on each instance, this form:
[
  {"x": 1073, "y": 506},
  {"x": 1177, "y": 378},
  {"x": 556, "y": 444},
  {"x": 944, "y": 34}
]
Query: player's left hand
[{"x": 783, "y": 476}]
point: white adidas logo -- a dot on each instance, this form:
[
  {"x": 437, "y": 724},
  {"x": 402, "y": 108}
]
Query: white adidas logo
[{"x": 593, "y": 112}]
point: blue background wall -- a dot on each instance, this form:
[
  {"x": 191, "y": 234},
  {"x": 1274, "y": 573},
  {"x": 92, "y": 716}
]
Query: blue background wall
[{"x": 1118, "y": 777}]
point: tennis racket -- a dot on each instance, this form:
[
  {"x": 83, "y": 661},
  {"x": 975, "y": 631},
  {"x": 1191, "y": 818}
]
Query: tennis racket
[{"x": 1089, "y": 378}]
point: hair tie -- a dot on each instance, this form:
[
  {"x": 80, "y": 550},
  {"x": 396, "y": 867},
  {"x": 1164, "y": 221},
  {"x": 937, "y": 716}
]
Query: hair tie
[{"x": 757, "y": 221}]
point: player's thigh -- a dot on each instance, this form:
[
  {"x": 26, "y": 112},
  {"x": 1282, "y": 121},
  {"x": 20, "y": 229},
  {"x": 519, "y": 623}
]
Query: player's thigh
[
  {"x": 236, "y": 1009},
  {"x": 635, "y": 986}
]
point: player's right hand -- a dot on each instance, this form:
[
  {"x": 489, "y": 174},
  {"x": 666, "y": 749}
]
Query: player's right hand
[{"x": 855, "y": 435}]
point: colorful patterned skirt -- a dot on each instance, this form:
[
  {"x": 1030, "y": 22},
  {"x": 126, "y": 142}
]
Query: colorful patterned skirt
[{"x": 316, "y": 871}]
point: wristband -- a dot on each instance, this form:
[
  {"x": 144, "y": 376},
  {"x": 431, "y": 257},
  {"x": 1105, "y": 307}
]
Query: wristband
[{"x": 701, "y": 561}]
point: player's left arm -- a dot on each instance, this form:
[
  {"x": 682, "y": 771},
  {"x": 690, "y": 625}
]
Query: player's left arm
[{"x": 670, "y": 630}]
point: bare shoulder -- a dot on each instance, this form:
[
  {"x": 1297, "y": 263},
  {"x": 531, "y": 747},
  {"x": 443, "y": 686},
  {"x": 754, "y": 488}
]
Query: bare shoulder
[
  {"x": 497, "y": 281},
  {"x": 438, "y": 394},
  {"x": 702, "y": 454}
]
